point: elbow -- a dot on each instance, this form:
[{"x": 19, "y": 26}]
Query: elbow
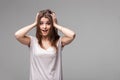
[
  {"x": 16, "y": 35},
  {"x": 73, "y": 35}
]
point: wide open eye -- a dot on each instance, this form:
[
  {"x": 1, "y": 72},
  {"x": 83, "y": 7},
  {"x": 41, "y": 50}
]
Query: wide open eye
[
  {"x": 41, "y": 23},
  {"x": 48, "y": 23}
]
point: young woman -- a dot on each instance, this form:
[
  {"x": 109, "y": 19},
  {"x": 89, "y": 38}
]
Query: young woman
[{"x": 46, "y": 47}]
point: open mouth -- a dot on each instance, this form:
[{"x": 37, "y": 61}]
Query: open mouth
[{"x": 44, "y": 31}]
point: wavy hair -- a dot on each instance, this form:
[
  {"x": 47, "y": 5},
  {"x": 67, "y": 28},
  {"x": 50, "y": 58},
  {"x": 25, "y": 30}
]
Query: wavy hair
[{"x": 53, "y": 35}]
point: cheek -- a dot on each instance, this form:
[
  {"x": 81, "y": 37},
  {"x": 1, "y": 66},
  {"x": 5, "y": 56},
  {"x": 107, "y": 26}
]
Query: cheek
[
  {"x": 40, "y": 26},
  {"x": 49, "y": 27}
]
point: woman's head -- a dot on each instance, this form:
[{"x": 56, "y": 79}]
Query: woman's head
[
  {"x": 45, "y": 23},
  {"x": 45, "y": 27}
]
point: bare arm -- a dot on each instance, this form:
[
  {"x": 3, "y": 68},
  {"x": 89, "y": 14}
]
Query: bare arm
[
  {"x": 69, "y": 35},
  {"x": 21, "y": 35}
]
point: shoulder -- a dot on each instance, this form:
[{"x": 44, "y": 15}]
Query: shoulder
[
  {"x": 33, "y": 40},
  {"x": 59, "y": 42}
]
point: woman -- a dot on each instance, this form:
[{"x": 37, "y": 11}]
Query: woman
[{"x": 45, "y": 48}]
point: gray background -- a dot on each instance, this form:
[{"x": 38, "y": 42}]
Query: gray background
[{"x": 93, "y": 55}]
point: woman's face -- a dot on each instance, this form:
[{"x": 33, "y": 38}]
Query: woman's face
[{"x": 45, "y": 26}]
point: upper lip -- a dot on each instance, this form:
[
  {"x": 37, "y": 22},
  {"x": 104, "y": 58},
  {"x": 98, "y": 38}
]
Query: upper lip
[{"x": 44, "y": 30}]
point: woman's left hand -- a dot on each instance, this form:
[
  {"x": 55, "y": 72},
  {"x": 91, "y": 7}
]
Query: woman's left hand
[{"x": 54, "y": 18}]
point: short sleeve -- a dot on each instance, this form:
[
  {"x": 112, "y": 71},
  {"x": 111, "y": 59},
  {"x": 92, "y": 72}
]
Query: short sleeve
[
  {"x": 32, "y": 41},
  {"x": 60, "y": 44}
]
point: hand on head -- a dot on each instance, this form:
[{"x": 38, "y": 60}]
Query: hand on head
[
  {"x": 46, "y": 12},
  {"x": 54, "y": 18},
  {"x": 36, "y": 19}
]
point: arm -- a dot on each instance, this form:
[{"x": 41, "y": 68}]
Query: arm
[
  {"x": 21, "y": 34},
  {"x": 69, "y": 35}
]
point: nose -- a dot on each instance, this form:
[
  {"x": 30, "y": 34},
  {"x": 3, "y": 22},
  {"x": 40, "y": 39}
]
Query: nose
[{"x": 44, "y": 25}]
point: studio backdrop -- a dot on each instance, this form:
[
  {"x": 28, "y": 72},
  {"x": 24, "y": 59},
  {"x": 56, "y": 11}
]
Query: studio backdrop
[{"x": 93, "y": 55}]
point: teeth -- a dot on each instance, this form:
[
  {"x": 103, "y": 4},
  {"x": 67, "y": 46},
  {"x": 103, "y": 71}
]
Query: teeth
[{"x": 44, "y": 30}]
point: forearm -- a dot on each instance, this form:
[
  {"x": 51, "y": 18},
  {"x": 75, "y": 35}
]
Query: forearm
[
  {"x": 67, "y": 32},
  {"x": 23, "y": 31}
]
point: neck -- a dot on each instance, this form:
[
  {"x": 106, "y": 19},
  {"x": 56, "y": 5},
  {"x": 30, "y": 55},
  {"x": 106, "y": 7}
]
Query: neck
[{"x": 45, "y": 38}]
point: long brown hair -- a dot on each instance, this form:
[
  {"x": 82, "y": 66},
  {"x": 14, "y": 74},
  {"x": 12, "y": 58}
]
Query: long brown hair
[{"x": 53, "y": 35}]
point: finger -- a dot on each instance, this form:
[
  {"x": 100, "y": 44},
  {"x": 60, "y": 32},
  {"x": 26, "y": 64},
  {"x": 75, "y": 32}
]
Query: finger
[
  {"x": 53, "y": 13},
  {"x": 37, "y": 14}
]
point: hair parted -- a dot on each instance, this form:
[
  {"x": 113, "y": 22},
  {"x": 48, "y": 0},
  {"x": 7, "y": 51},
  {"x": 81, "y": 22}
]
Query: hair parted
[{"x": 53, "y": 35}]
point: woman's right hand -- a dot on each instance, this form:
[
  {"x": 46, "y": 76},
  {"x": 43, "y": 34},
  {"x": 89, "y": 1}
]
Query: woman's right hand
[
  {"x": 21, "y": 34},
  {"x": 36, "y": 19}
]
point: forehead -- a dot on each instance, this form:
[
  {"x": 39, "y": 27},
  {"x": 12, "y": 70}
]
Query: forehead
[{"x": 44, "y": 19}]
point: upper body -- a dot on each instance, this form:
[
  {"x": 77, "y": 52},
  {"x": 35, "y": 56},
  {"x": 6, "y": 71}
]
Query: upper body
[
  {"x": 47, "y": 41},
  {"x": 45, "y": 64}
]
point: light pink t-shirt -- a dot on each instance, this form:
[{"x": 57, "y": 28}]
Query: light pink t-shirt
[{"x": 45, "y": 64}]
